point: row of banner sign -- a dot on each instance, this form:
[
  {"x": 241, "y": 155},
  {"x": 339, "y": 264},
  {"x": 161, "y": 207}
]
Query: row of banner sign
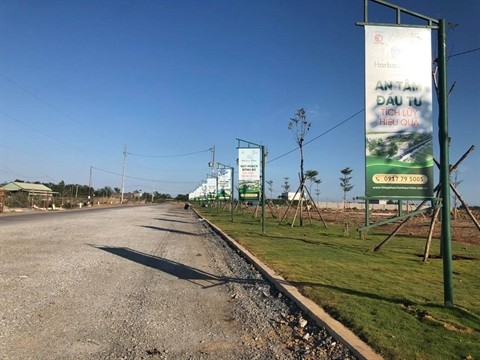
[
  {"x": 398, "y": 122},
  {"x": 220, "y": 187}
]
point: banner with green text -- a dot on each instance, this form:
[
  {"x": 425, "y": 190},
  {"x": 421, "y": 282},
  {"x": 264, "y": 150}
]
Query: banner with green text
[
  {"x": 211, "y": 188},
  {"x": 249, "y": 173},
  {"x": 398, "y": 112},
  {"x": 224, "y": 183}
]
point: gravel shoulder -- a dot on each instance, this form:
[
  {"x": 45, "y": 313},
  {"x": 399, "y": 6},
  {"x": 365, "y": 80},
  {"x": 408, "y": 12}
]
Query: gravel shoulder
[{"x": 149, "y": 282}]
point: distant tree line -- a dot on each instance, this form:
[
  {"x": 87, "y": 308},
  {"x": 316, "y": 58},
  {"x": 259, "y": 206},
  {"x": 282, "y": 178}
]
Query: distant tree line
[{"x": 82, "y": 192}]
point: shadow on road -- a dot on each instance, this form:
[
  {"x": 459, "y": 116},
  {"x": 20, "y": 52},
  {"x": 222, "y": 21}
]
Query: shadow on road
[
  {"x": 177, "y": 221},
  {"x": 171, "y": 230},
  {"x": 181, "y": 271}
]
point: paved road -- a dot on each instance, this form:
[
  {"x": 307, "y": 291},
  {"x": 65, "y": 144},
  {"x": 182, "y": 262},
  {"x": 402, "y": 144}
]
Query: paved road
[{"x": 134, "y": 283}]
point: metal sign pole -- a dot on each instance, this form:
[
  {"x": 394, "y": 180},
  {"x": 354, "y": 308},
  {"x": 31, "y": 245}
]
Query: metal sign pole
[
  {"x": 443, "y": 137},
  {"x": 444, "y": 165},
  {"x": 262, "y": 194}
]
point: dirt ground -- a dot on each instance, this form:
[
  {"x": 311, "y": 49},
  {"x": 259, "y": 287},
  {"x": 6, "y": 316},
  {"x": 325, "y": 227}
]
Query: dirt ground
[{"x": 463, "y": 228}]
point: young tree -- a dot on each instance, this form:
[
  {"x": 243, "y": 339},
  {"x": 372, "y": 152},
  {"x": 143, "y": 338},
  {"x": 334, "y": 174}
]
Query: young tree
[
  {"x": 346, "y": 187},
  {"x": 286, "y": 186},
  {"x": 270, "y": 188},
  {"x": 456, "y": 182},
  {"x": 317, "y": 192},
  {"x": 345, "y": 184},
  {"x": 299, "y": 126},
  {"x": 311, "y": 177}
]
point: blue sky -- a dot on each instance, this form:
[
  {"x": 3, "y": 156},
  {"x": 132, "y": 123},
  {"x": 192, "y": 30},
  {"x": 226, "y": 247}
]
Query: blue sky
[{"x": 81, "y": 80}]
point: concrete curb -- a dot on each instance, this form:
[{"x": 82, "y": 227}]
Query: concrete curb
[{"x": 359, "y": 348}]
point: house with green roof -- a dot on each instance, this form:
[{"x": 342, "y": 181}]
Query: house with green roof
[
  {"x": 27, "y": 194},
  {"x": 30, "y": 188}
]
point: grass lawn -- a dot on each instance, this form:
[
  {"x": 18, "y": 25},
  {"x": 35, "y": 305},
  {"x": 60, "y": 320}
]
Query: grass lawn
[{"x": 390, "y": 298}]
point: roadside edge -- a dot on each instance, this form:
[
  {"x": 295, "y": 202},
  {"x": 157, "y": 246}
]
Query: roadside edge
[{"x": 341, "y": 333}]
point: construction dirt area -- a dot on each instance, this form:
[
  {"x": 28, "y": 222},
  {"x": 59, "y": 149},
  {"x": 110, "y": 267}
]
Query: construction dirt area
[{"x": 463, "y": 227}]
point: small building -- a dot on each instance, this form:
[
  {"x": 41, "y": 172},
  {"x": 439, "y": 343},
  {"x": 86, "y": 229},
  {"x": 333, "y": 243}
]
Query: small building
[
  {"x": 34, "y": 192},
  {"x": 30, "y": 188},
  {"x": 291, "y": 196}
]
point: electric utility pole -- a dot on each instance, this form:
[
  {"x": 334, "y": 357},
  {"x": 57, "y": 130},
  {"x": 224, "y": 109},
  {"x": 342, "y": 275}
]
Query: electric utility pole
[
  {"x": 90, "y": 184},
  {"x": 153, "y": 190},
  {"x": 212, "y": 163},
  {"x": 123, "y": 172}
]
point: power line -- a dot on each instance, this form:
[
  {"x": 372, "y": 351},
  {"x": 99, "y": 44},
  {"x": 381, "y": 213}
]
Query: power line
[
  {"x": 29, "y": 126},
  {"x": 40, "y": 132},
  {"x": 322, "y": 134},
  {"x": 106, "y": 171},
  {"x": 464, "y": 52},
  {"x": 351, "y": 117},
  {"x": 55, "y": 108},
  {"x": 170, "y": 156},
  {"x": 41, "y": 100},
  {"x": 334, "y": 127},
  {"x": 163, "y": 169},
  {"x": 113, "y": 173},
  {"x": 143, "y": 179},
  {"x": 4, "y": 170}
]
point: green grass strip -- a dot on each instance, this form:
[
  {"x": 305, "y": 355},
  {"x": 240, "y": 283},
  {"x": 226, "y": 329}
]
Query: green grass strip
[{"x": 390, "y": 299}]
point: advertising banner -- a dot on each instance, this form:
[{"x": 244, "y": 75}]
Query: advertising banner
[
  {"x": 203, "y": 191},
  {"x": 196, "y": 194},
  {"x": 398, "y": 112},
  {"x": 249, "y": 173},
  {"x": 211, "y": 188},
  {"x": 224, "y": 184}
]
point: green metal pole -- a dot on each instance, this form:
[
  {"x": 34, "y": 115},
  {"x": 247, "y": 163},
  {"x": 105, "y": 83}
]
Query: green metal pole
[
  {"x": 262, "y": 148},
  {"x": 263, "y": 188},
  {"x": 367, "y": 211},
  {"x": 444, "y": 164},
  {"x": 231, "y": 195},
  {"x": 216, "y": 193}
]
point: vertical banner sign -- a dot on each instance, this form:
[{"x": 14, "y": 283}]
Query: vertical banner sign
[
  {"x": 211, "y": 188},
  {"x": 224, "y": 183},
  {"x": 203, "y": 191},
  {"x": 398, "y": 112},
  {"x": 249, "y": 173},
  {"x": 198, "y": 193}
]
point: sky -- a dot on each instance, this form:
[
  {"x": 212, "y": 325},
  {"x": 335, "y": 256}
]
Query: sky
[{"x": 84, "y": 82}]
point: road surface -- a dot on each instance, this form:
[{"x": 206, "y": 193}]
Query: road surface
[{"x": 147, "y": 282}]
